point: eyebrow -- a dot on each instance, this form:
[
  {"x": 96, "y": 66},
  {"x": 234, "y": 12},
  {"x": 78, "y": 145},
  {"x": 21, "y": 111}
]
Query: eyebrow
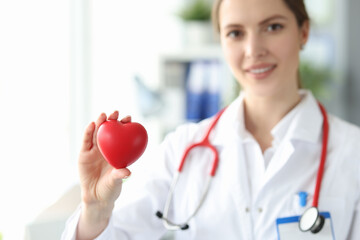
[
  {"x": 263, "y": 22},
  {"x": 272, "y": 18}
]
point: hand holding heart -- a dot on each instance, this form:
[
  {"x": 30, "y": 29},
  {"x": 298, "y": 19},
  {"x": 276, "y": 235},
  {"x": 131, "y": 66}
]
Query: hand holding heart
[{"x": 100, "y": 181}]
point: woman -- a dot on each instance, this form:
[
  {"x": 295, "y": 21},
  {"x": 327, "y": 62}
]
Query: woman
[{"x": 269, "y": 141}]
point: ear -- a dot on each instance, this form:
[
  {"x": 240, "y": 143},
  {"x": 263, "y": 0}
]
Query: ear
[{"x": 304, "y": 33}]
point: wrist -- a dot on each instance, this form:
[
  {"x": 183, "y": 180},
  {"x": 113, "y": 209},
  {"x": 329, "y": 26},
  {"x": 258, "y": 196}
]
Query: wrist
[
  {"x": 96, "y": 213},
  {"x": 93, "y": 220}
]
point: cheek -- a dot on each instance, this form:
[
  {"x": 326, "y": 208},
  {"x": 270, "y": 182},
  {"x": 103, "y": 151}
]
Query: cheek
[{"x": 287, "y": 50}]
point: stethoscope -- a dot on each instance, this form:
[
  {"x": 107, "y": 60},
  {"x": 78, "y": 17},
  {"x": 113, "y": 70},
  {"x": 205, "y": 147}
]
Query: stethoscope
[{"x": 311, "y": 220}]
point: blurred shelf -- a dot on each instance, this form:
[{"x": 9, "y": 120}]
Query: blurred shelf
[{"x": 173, "y": 74}]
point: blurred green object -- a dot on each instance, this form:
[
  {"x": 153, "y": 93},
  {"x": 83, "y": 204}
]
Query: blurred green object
[
  {"x": 315, "y": 78},
  {"x": 1, "y": 237},
  {"x": 196, "y": 10}
]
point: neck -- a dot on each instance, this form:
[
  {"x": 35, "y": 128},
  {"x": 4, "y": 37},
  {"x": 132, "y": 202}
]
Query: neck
[{"x": 263, "y": 113}]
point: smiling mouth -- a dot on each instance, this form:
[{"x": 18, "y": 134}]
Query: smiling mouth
[{"x": 261, "y": 70}]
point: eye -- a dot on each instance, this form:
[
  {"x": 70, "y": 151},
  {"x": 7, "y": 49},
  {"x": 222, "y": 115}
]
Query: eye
[
  {"x": 274, "y": 27},
  {"x": 235, "y": 34}
]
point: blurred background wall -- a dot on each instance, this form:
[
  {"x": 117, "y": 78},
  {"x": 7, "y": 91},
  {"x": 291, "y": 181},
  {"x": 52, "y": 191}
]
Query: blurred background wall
[
  {"x": 62, "y": 63},
  {"x": 353, "y": 68}
]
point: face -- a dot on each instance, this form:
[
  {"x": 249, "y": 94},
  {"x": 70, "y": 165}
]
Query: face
[{"x": 261, "y": 41}]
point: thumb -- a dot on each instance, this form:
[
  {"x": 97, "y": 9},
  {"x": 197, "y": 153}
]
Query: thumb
[{"x": 120, "y": 174}]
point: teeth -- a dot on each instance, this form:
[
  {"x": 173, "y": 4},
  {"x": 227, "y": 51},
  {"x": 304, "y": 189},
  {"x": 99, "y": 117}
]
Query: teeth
[{"x": 260, "y": 70}]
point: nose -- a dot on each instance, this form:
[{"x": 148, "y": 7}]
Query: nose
[{"x": 254, "y": 47}]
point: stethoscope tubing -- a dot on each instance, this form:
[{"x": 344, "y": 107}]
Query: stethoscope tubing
[
  {"x": 173, "y": 226},
  {"x": 204, "y": 143},
  {"x": 320, "y": 173}
]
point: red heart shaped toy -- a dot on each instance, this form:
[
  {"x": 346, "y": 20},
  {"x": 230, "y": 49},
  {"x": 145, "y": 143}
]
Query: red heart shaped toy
[{"x": 121, "y": 144}]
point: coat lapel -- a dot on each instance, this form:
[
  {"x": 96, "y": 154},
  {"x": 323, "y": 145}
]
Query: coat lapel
[{"x": 280, "y": 158}]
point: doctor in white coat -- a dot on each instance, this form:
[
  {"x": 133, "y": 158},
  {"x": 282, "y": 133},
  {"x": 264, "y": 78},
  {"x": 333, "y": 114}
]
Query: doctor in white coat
[{"x": 269, "y": 142}]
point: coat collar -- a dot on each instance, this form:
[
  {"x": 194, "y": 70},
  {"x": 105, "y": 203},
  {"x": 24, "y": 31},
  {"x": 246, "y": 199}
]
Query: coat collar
[{"x": 305, "y": 123}]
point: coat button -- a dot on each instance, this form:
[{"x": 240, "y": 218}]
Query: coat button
[{"x": 260, "y": 210}]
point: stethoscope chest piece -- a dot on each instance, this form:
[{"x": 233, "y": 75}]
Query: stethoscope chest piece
[{"x": 311, "y": 220}]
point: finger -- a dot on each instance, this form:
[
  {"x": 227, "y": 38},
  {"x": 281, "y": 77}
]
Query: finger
[
  {"x": 126, "y": 119},
  {"x": 88, "y": 137},
  {"x": 114, "y": 115},
  {"x": 120, "y": 174},
  {"x": 99, "y": 121}
]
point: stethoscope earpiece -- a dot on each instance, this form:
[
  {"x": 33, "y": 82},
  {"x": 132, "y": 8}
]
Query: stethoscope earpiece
[
  {"x": 170, "y": 225},
  {"x": 311, "y": 220},
  {"x": 184, "y": 227},
  {"x": 159, "y": 214}
]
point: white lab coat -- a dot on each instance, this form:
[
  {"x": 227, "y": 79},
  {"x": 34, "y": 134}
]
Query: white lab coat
[{"x": 244, "y": 204}]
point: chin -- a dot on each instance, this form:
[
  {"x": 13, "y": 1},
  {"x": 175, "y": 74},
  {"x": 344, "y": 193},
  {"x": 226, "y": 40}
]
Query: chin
[{"x": 263, "y": 90}]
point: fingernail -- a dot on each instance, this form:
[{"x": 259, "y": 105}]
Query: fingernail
[
  {"x": 124, "y": 179},
  {"x": 127, "y": 176}
]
